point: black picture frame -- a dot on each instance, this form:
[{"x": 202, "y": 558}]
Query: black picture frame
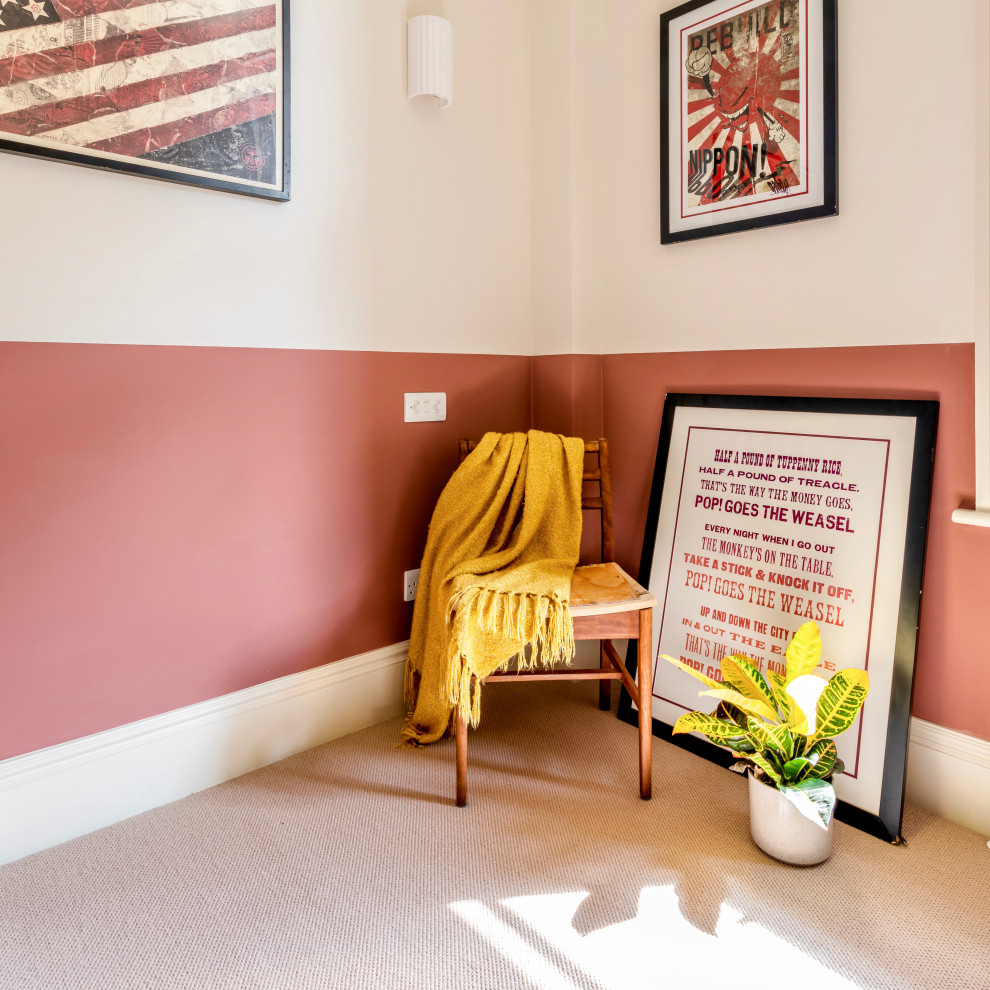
[
  {"x": 892, "y": 516},
  {"x": 728, "y": 162},
  {"x": 23, "y": 136}
]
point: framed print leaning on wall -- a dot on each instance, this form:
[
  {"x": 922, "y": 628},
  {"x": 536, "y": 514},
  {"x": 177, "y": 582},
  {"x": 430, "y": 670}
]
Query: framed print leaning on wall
[
  {"x": 194, "y": 91},
  {"x": 767, "y": 512},
  {"x": 748, "y": 127}
]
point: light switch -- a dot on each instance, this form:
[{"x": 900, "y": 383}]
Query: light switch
[{"x": 425, "y": 407}]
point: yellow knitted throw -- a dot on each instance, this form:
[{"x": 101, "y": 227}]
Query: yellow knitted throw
[{"x": 496, "y": 575}]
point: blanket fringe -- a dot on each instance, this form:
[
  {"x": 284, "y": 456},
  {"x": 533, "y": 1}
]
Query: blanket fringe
[{"x": 540, "y": 626}]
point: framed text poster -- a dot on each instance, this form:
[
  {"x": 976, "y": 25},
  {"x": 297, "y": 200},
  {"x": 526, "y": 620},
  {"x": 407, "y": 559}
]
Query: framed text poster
[
  {"x": 769, "y": 511},
  {"x": 194, "y": 91},
  {"x": 747, "y": 115}
]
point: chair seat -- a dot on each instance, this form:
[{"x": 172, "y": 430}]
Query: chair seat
[{"x": 603, "y": 589}]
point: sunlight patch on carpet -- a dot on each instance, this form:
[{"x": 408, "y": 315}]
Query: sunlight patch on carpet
[{"x": 537, "y": 933}]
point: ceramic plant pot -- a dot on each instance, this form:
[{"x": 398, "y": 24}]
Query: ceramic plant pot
[{"x": 781, "y": 831}]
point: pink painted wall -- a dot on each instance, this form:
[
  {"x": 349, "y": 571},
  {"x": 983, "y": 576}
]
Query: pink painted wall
[
  {"x": 180, "y": 522},
  {"x": 567, "y": 398},
  {"x": 567, "y": 394},
  {"x": 952, "y": 678}
]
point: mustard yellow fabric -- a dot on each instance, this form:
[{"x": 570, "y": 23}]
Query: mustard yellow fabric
[{"x": 496, "y": 575}]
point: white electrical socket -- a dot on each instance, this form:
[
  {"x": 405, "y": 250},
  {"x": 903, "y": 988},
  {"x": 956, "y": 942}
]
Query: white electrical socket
[
  {"x": 424, "y": 407},
  {"x": 410, "y": 584}
]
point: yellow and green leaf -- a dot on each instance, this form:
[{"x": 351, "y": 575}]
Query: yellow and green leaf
[
  {"x": 823, "y": 756},
  {"x": 804, "y": 653},
  {"x": 780, "y": 696},
  {"x": 781, "y": 739},
  {"x": 696, "y": 674},
  {"x": 765, "y": 766},
  {"x": 840, "y": 703},
  {"x": 742, "y": 674},
  {"x": 709, "y": 725},
  {"x": 798, "y": 769},
  {"x": 741, "y": 701},
  {"x": 758, "y": 734},
  {"x": 730, "y": 713}
]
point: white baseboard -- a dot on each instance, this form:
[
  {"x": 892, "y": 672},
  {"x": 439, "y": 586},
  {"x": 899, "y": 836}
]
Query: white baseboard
[
  {"x": 948, "y": 773},
  {"x": 56, "y": 794}
]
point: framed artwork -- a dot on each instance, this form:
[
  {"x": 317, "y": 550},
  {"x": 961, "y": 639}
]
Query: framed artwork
[
  {"x": 193, "y": 91},
  {"x": 766, "y": 512},
  {"x": 748, "y": 129}
]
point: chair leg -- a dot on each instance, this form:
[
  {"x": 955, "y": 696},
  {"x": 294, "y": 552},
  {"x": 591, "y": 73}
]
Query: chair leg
[
  {"x": 461, "y": 739},
  {"x": 604, "y": 687},
  {"x": 644, "y": 675}
]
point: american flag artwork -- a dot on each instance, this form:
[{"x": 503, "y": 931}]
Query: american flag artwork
[{"x": 190, "y": 90}]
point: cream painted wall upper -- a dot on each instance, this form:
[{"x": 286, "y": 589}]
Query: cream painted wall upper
[
  {"x": 525, "y": 217},
  {"x": 896, "y": 265},
  {"x": 553, "y": 176},
  {"x": 409, "y": 227}
]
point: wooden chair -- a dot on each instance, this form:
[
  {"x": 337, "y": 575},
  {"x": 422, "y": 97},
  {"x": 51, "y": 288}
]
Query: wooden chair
[{"x": 606, "y": 604}]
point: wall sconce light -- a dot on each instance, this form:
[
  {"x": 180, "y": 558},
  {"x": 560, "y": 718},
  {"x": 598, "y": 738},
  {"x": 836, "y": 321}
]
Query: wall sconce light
[{"x": 431, "y": 58}]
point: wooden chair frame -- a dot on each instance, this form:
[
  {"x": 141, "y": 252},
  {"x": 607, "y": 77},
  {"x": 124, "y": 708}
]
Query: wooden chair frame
[{"x": 629, "y": 619}]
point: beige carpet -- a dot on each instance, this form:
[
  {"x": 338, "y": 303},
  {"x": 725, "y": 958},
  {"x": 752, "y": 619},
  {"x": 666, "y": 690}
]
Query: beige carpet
[{"x": 349, "y": 866}]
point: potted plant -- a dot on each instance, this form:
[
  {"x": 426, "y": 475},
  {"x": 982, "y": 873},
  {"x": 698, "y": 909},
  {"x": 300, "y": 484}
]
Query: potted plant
[{"x": 782, "y": 729}]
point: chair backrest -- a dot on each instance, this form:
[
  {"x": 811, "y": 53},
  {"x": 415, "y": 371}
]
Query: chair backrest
[{"x": 597, "y": 452}]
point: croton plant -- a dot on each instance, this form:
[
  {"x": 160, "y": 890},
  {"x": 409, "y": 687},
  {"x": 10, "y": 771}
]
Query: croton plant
[{"x": 782, "y": 726}]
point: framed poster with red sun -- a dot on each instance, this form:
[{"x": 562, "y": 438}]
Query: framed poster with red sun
[{"x": 747, "y": 115}]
